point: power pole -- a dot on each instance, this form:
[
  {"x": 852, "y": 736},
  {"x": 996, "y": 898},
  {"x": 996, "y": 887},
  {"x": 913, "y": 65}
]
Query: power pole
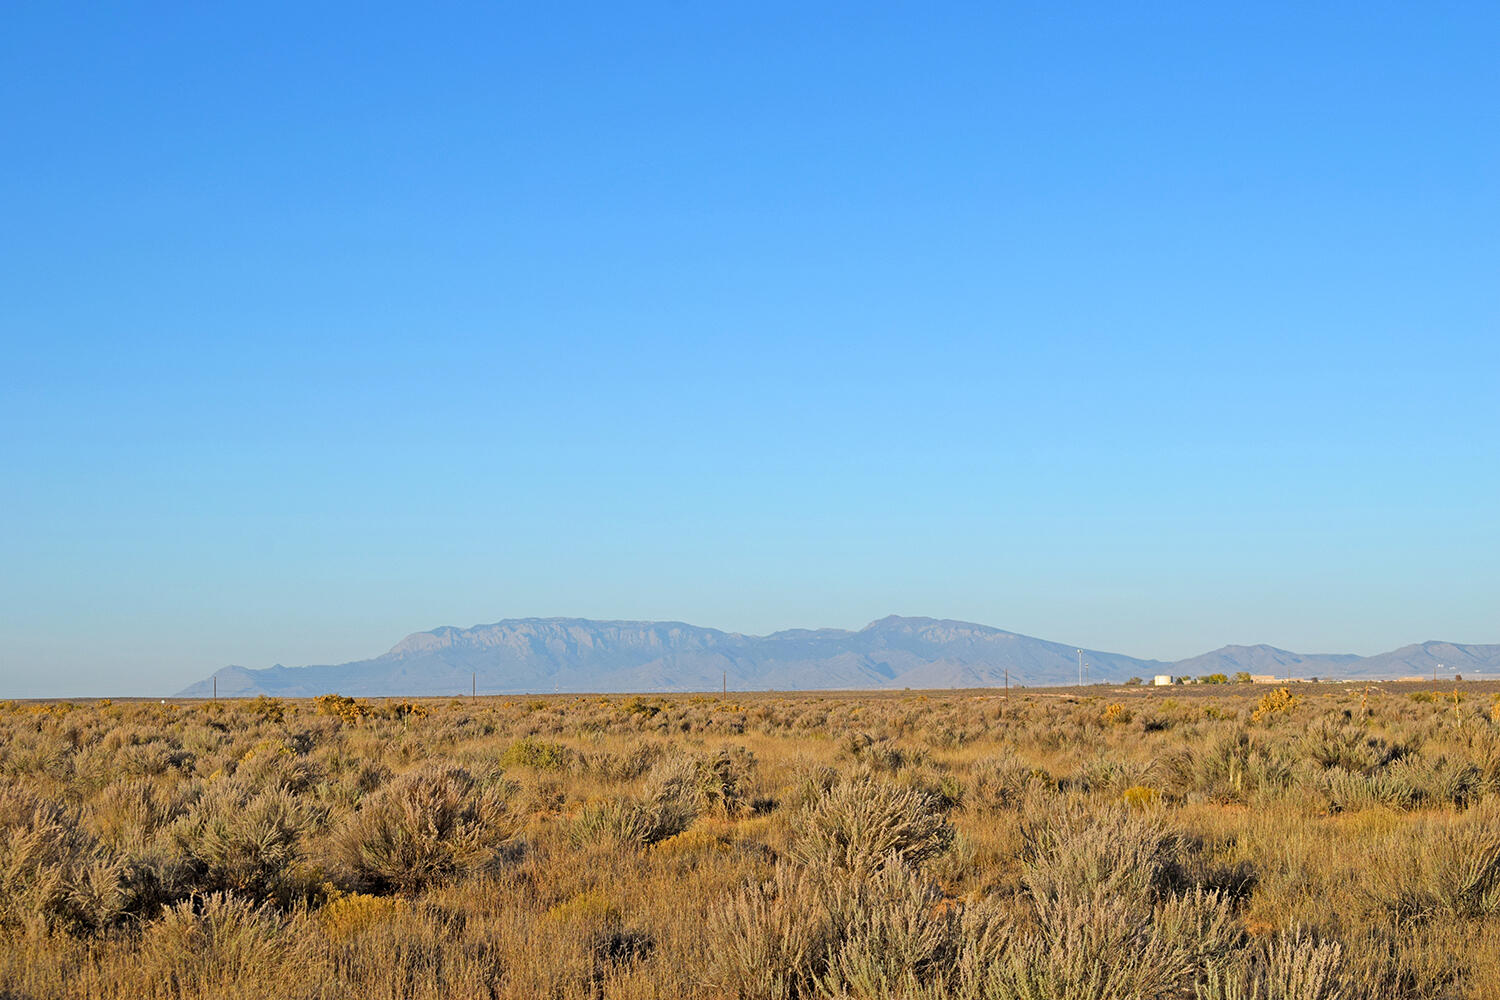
[
  {"x": 216, "y": 687},
  {"x": 1007, "y": 682},
  {"x": 726, "y": 682},
  {"x": 1080, "y": 667},
  {"x": 474, "y": 686}
]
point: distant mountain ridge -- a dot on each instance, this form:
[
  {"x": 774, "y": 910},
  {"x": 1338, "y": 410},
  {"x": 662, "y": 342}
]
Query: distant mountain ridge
[{"x": 532, "y": 655}]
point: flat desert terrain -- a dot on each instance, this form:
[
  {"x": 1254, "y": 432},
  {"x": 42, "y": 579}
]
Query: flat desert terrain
[{"x": 1223, "y": 842}]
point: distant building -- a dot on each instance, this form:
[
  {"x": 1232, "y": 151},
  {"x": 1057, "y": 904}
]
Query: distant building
[
  {"x": 1264, "y": 679},
  {"x": 1162, "y": 680}
]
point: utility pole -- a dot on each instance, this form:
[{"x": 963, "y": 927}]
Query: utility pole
[
  {"x": 1080, "y": 667},
  {"x": 474, "y": 686},
  {"x": 726, "y": 682},
  {"x": 1007, "y": 682},
  {"x": 216, "y": 687}
]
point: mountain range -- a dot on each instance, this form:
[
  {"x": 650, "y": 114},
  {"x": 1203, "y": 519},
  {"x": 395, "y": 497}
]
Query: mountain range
[{"x": 535, "y": 655}]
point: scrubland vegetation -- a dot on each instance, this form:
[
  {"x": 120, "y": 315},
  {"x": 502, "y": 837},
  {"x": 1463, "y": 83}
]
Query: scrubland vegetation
[{"x": 1247, "y": 844}]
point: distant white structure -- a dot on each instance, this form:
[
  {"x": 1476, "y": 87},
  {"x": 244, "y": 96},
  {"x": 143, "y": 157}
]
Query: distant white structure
[{"x": 1162, "y": 680}]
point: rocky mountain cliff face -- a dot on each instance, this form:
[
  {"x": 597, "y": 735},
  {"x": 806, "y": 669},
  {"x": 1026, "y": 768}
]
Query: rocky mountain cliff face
[{"x": 574, "y": 654}]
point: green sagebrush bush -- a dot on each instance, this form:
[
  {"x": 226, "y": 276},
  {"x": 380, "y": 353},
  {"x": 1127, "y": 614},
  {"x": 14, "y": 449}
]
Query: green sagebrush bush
[
  {"x": 53, "y": 874},
  {"x": 249, "y": 843},
  {"x": 667, "y": 805},
  {"x": 1072, "y": 849},
  {"x": 1329, "y": 744},
  {"x": 1293, "y": 967},
  {"x": 128, "y": 815},
  {"x": 535, "y": 752},
  {"x": 1406, "y": 784},
  {"x": 1233, "y": 768},
  {"x": 1001, "y": 782},
  {"x": 821, "y": 931},
  {"x": 1091, "y": 947},
  {"x": 422, "y": 828},
  {"x": 1455, "y": 873},
  {"x": 214, "y": 939},
  {"x": 860, "y": 825}
]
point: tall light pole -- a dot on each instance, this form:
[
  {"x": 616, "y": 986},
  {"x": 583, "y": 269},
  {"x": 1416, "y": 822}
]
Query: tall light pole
[{"x": 1080, "y": 667}]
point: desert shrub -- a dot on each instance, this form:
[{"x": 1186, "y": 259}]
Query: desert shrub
[
  {"x": 53, "y": 875},
  {"x": 126, "y": 815},
  {"x": 883, "y": 755},
  {"x": 148, "y": 807},
  {"x": 1151, "y": 722},
  {"x": 1404, "y": 785},
  {"x": 250, "y": 845},
  {"x": 1349, "y": 791},
  {"x": 1200, "y": 923},
  {"x": 1298, "y": 968},
  {"x": 628, "y": 766},
  {"x": 1451, "y": 782},
  {"x": 151, "y": 759},
  {"x": 695, "y": 840},
  {"x": 1000, "y": 782},
  {"x": 861, "y": 825},
  {"x": 1455, "y": 871},
  {"x": 216, "y": 940},
  {"x": 1232, "y": 769},
  {"x": 631, "y": 822},
  {"x": 267, "y": 709},
  {"x": 810, "y": 783},
  {"x": 1330, "y": 745},
  {"x": 592, "y": 918},
  {"x": 424, "y": 827},
  {"x": 1092, "y": 947},
  {"x": 33, "y": 755},
  {"x": 1140, "y": 797},
  {"x": 347, "y": 710},
  {"x": 720, "y": 781},
  {"x": 663, "y": 809},
  {"x": 369, "y": 776},
  {"x": 350, "y": 915},
  {"x": 640, "y": 708},
  {"x": 1292, "y": 967},
  {"x": 543, "y": 755},
  {"x": 1072, "y": 850},
  {"x": 828, "y": 932},
  {"x": 772, "y": 938},
  {"x": 275, "y": 763},
  {"x": 404, "y": 710},
  {"x": 1279, "y": 701},
  {"x": 1398, "y": 960},
  {"x": 1103, "y": 775},
  {"x": 893, "y": 936}
]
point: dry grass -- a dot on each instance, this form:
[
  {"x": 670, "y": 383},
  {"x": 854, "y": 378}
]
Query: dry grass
[{"x": 1223, "y": 844}]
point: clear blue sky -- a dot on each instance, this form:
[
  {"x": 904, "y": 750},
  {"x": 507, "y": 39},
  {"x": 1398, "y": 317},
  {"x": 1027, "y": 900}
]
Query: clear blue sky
[{"x": 1145, "y": 326}]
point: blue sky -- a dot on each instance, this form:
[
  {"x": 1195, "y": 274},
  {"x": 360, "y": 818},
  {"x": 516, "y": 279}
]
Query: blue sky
[{"x": 1149, "y": 327}]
